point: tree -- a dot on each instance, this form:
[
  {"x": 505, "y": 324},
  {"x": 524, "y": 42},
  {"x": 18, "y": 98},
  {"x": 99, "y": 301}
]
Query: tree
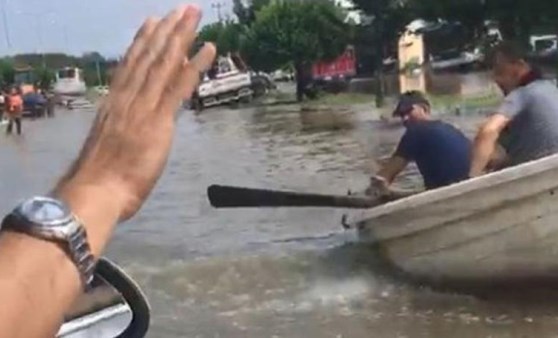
[
  {"x": 227, "y": 36},
  {"x": 295, "y": 32},
  {"x": 470, "y": 13},
  {"x": 94, "y": 69},
  {"x": 388, "y": 19},
  {"x": 246, "y": 11},
  {"x": 45, "y": 77},
  {"x": 7, "y": 72},
  {"x": 242, "y": 12},
  {"x": 517, "y": 18}
]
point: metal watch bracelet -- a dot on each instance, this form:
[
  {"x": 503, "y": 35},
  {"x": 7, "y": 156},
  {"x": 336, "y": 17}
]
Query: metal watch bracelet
[{"x": 80, "y": 252}]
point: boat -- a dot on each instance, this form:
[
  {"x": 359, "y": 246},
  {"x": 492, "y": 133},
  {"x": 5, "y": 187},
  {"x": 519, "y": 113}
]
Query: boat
[
  {"x": 497, "y": 229},
  {"x": 114, "y": 307},
  {"x": 69, "y": 82},
  {"x": 226, "y": 82}
]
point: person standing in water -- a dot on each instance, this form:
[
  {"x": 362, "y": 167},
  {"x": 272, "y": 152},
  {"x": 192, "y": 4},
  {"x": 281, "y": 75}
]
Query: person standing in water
[
  {"x": 14, "y": 110},
  {"x": 2, "y": 104}
]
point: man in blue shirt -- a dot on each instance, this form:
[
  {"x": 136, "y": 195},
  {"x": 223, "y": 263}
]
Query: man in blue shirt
[{"x": 441, "y": 151}]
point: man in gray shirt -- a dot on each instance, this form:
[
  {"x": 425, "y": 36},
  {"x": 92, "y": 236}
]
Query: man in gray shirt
[{"x": 525, "y": 126}]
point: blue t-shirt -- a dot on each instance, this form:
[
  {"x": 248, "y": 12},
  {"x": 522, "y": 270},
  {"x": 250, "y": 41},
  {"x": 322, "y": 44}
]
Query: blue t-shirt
[{"x": 442, "y": 152}]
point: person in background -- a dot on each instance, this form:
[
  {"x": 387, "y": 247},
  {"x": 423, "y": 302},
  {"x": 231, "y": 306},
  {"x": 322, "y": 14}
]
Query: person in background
[
  {"x": 525, "y": 126},
  {"x": 2, "y": 104},
  {"x": 440, "y": 151},
  {"x": 50, "y": 103},
  {"x": 14, "y": 110},
  {"x": 122, "y": 159}
]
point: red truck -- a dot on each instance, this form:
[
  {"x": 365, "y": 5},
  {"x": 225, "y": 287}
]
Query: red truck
[{"x": 342, "y": 68}]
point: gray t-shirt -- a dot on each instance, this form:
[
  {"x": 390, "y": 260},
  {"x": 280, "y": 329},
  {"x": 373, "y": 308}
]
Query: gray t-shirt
[{"x": 533, "y": 130}]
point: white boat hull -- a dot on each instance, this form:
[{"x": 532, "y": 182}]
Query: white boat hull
[
  {"x": 69, "y": 82},
  {"x": 64, "y": 88},
  {"x": 502, "y": 226}
]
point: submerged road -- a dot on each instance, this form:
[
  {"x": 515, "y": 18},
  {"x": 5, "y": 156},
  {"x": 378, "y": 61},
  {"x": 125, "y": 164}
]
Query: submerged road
[{"x": 265, "y": 273}]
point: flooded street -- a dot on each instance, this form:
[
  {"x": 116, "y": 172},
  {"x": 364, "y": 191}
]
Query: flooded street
[{"x": 268, "y": 272}]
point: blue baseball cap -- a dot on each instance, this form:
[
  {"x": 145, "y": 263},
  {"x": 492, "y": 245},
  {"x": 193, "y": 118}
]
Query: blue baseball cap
[{"x": 406, "y": 102}]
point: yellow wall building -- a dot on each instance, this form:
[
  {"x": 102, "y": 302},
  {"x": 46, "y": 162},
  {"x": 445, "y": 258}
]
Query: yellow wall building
[{"x": 411, "y": 56}]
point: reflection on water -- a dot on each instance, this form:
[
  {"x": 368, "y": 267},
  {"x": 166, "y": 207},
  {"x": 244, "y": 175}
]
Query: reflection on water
[{"x": 274, "y": 272}]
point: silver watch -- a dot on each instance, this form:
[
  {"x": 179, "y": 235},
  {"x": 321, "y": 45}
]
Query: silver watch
[{"x": 51, "y": 219}]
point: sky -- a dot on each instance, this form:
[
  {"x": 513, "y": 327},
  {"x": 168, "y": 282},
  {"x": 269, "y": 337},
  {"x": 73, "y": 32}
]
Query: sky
[{"x": 78, "y": 26}]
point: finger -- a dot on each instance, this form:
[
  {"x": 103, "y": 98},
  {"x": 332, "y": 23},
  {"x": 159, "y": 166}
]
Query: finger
[
  {"x": 140, "y": 43},
  {"x": 151, "y": 53},
  {"x": 187, "y": 80},
  {"x": 167, "y": 66}
]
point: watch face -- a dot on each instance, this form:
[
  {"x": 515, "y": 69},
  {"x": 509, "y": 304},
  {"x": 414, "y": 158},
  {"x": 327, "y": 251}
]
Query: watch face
[{"x": 45, "y": 211}]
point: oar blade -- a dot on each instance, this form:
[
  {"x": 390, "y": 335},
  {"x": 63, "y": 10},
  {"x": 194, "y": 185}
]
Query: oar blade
[
  {"x": 236, "y": 197},
  {"x": 239, "y": 197}
]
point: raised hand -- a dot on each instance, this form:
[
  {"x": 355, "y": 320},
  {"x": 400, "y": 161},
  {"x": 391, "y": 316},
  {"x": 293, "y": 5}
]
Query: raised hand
[{"x": 131, "y": 137}]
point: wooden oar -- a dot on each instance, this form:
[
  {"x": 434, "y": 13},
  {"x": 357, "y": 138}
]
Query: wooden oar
[{"x": 239, "y": 197}]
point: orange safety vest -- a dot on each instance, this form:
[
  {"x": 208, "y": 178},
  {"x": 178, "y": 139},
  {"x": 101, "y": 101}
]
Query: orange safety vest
[{"x": 15, "y": 105}]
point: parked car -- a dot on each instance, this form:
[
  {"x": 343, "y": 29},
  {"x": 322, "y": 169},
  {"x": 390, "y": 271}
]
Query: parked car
[
  {"x": 262, "y": 83},
  {"x": 282, "y": 76},
  {"x": 34, "y": 105}
]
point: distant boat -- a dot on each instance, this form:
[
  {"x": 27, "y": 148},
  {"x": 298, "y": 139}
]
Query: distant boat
[{"x": 69, "y": 82}]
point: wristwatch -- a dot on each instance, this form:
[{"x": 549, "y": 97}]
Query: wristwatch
[{"x": 51, "y": 219}]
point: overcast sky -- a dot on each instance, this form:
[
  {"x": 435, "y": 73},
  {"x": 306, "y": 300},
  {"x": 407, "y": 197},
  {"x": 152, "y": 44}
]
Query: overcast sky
[{"x": 77, "y": 26}]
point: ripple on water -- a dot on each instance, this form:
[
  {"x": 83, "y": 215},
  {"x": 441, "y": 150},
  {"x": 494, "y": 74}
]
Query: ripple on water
[{"x": 317, "y": 294}]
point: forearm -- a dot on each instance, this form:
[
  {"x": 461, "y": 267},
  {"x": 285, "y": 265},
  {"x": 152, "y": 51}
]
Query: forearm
[
  {"x": 392, "y": 168},
  {"x": 483, "y": 149},
  {"x": 38, "y": 281},
  {"x": 387, "y": 173}
]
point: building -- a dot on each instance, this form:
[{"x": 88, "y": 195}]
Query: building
[{"x": 426, "y": 48}]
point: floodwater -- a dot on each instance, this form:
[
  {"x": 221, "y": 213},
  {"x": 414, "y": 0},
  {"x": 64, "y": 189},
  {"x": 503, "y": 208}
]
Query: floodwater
[{"x": 274, "y": 272}]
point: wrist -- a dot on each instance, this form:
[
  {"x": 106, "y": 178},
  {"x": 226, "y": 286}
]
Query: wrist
[
  {"x": 475, "y": 172},
  {"x": 97, "y": 206}
]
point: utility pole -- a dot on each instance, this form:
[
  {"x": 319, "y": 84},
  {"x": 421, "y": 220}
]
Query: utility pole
[
  {"x": 98, "y": 68},
  {"x": 41, "y": 48},
  {"x": 66, "y": 40},
  {"x": 378, "y": 30},
  {"x": 6, "y": 28},
  {"x": 218, "y": 6}
]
